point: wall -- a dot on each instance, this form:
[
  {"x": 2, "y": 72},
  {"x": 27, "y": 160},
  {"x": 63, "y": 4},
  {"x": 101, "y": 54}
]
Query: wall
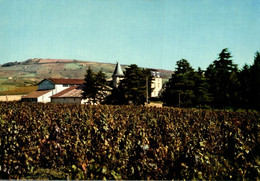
[
  {"x": 45, "y": 98},
  {"x": 46, "y": 85},
  {"x": 66, "y": 100},
  {"x": 116, "y": 81},
  {"x": 11, "y": 98},
  {"x": 157, "y": 85},
  {"x": 59, "y": 88}
]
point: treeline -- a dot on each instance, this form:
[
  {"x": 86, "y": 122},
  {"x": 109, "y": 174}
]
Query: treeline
[
  {"x": 130, "y": 90},
  {"x": 10, "y": 64},
  {"x": 222, "y": 85}
]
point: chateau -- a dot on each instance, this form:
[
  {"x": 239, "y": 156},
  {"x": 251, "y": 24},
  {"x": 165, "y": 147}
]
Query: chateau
[{"x": 70, "y": 90}]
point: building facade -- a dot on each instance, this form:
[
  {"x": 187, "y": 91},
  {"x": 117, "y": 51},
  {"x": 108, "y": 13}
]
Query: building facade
[
  {"x": 70, "y": 90},
  {"x": 49, "y": 87},
  {"x": 157, "y": 83}
]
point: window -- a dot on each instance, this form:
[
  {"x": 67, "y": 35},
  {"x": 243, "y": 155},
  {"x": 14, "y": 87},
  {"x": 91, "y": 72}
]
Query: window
[{"x": 65, "y": 85}]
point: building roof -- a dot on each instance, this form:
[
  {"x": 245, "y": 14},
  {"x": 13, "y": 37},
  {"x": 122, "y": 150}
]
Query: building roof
[
  {"x": 67, "y": 81},
  {"x": 73, "y": 91},
  {"x": 36, "y": 94},
  {"x": 156, "y": 74},
  {"x": 118, "y": 71}
]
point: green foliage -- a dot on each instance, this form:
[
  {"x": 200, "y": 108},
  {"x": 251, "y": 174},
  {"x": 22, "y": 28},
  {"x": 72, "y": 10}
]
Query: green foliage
[
  {"x": 221, "y": 86},
  {"x": 223, "y": 80},
  {"x": 245, "y": 87},
  {"x": 202, "y": 97},
  {"x": 132, "y": 89},
  {"x": 186, "y": 88},
  {"x": 255, "y": 82},
  {"x": 93, "y": 87},
  {"x": 50, "y": 141}
]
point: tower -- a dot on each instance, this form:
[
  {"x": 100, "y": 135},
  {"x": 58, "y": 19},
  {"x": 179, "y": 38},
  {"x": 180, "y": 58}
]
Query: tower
[{"x": 117, "y": 75}]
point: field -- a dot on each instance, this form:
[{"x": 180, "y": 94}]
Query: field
[
  {"x": 63, "y": 141},
  {"x": 36, "y": 70},
  {"x": 16, "y": 86}
]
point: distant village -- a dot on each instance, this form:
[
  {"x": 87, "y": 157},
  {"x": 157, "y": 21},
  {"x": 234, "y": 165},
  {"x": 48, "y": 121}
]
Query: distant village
[{"x": 70, "y": 90}]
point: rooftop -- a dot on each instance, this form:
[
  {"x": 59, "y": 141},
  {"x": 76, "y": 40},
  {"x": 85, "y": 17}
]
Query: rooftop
[
  {"x": 118, "y": 71},
  {"x": 36, "y": 94},
  {"x": 67, "y": 81},
  {"x": 73, "y": 91}
]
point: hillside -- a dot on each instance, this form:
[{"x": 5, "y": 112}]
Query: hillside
[{"x": 30, "y": 72}]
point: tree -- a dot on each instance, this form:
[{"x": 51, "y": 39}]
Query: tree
[
  {"x": 179, "y": 88},
  {"x": 101, "y": 84},
  {"x": 244, "y": 77},
  {"x": 93, "y": 87},
  {"x": 223, "y": 80},
  {"x": 201, "y": 95},
  {"x": 255, "y": 82},
  {"x": 186, "y": 88},
  {"x": 132, "y": 89}
]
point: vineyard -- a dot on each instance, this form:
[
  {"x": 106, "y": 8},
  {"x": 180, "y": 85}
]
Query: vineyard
[{"x": 62, "y": 141}]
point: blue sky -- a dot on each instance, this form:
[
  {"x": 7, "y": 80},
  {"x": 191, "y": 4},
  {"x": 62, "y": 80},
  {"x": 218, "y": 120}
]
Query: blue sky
[{"x": 149, "y": 33}]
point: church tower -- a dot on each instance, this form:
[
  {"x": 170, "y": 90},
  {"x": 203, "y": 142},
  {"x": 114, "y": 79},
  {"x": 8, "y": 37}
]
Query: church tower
[{"x": 117, "y": 75}]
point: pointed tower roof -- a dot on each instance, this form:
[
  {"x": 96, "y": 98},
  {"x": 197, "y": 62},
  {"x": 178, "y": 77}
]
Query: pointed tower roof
[{"x": 118, "y": 71}]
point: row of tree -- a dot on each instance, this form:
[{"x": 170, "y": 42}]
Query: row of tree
[
  {"x": 131, "y": 90},
  {"x": 221, "y": 85}
]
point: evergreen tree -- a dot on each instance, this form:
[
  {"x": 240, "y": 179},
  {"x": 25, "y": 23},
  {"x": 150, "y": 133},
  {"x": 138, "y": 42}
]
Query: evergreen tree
[
  {"x": 223, "y": 81},
  {"x": 93, "y": 87},
  {"x": 101, "y": 84},
  {"x": 115, "y": 98},
  {"x": 179, "y": 88},
  {"x": 202, "y": 97},
  {"x": 133, "y": 87},
  {"x": 255, "y": 82},
  {"x": 244, "y": 87}
]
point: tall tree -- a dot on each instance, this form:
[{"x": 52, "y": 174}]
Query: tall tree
[
  {"x": 93, "y": 87},
  {"x": 101, "y": 84},
  {"x": 255, "y": 82},
  {"x": 133, "y": 86},
  {"x": 244, "y": 87},
  {"x": 222, "y": 75},
  {"x": 202, "y": 97},
  {"x": 179, "y": 88}
]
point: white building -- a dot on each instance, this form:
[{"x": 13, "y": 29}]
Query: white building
[
  {"x": 157, "y": 83},
  {"x": 69, "y": 90},
  {"x": 69, "y": 95},
  {"x": 38, "y": 96},
  {"x": 50, "y": 87},
  {"x": 73, "y": 94}
]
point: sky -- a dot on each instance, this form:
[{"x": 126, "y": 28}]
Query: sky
[{"x": 149, "y": 33}]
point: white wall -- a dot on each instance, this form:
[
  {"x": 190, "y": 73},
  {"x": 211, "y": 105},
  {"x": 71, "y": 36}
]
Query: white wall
[
  {"x": 116, "y": 81},
  {"x": 59, "y": 88},
  {"x": 45, "y": 98},
  {"x": 157, "y": 85}
]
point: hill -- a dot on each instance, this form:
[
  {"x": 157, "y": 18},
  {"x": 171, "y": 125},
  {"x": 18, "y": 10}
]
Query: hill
[{"x": 31, "y": 71}]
